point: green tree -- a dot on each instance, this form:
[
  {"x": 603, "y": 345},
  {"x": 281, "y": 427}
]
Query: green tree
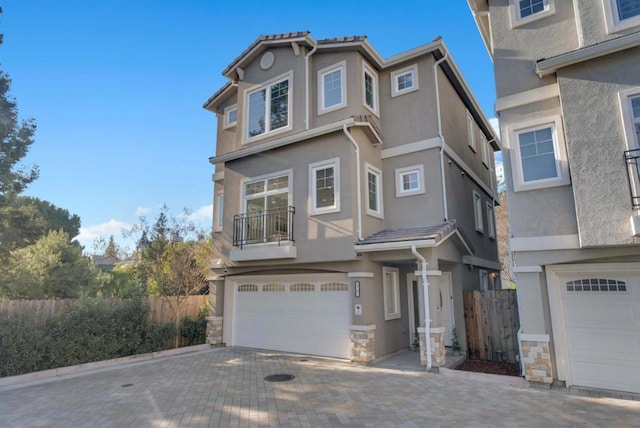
[
  {"x": 16, "y": 137},
  {"x": 51, "y": 267}
]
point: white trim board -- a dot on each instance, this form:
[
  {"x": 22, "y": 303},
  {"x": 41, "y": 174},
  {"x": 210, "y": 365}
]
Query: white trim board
[
  {"x": 468, "y": 171},
  {"x": 480, "y": 262},
  {"x": 542, "y": 243},
  {"x": 527, "y": 269},
  {"x": 406, "y": 149},
  {"x": 360, "y": 274},
  {"x": 527, "y": 97}
]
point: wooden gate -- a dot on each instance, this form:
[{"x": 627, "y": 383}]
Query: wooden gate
[{"x": 492, "y": 324}]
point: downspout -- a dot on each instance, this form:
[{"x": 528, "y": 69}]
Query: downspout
[
  {"x": 306, "y": 82},
  {"x": 444, "y": 185},
  {"x": 358, "y": 190},
  {"x": 425, "y": 294}
]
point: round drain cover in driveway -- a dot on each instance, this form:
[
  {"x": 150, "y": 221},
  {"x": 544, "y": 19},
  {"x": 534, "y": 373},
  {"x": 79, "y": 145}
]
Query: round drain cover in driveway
[{"x": 279, "y": 377}]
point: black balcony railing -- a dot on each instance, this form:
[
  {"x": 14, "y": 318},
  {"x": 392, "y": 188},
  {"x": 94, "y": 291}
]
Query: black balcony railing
[
  {"x": 632, "y": 158},
  {"x": 274, "y": 225}
]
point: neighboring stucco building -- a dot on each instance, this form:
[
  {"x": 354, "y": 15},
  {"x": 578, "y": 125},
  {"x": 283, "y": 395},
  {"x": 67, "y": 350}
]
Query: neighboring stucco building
[
  {"x": 568, "y": 85},
  {"x": 343, "y": 181}
]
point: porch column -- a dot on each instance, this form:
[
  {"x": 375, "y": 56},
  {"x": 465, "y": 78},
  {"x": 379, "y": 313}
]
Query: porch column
[{"x": 363, "y": 343}]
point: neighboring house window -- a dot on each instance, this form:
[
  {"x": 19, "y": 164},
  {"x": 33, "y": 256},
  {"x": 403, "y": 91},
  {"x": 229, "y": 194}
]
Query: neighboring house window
[
  {"x": 484, "y": 279},
  {"x": 621, "y": 14},
  {"x": 491, "y": 222},
  {"x": 471, "y": 134},
  {"x": 485, "y": 150},
  {"x": 404, "y": 80},
  {"x": 332, "y": 88},
  {"x": 324, "y": 185},
  {"x": 268, "y": 107},
  {"x": 266, "y": 202},
  {"x": 374, "y": 191},
  {"x": 630, "y": 103},
  {"x": 391, "y": 289},
  {"x": 410, "y": 181},
  {"x": 538, "y": 155},
  {"x": 524, "y": 11},
  {"x": 477, "y": 211},
  {"x": 219, "y": 217},
  {"x": 230, "y": 116},
  {"x": 370, "y": 88},
  {"x": 635, "y": 111}
]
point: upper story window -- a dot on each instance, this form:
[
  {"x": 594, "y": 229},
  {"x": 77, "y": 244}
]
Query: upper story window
[
  {"x": 538, "y": 155},
  {"x": 268, "y": 107},
  {"x": 219, "y": 212},
  {"x": 491, "y": 222},
  {"x": 621, "y": 14},
  {"x": 485, "y": 150},
  {"x": 266, "y": 215},
  {"x": 404, "y": 80},
  {"x": 332, "y": 88},
  {"x": 230, "y": 116},
  {"x": 374, "y": 191},
  {"x": 324, "y": 185},
  {"x": 370, "y": 88},
  {"x": 471, "y": 134},
  {"x": 524, "y": 11},
  {"x": 477, "y": 211},
  {"x": 410, "y": 181},
  {"x": 391, "y": 290}
]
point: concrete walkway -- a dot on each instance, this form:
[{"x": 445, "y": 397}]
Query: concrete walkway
[{"x": 226, "y": 387}]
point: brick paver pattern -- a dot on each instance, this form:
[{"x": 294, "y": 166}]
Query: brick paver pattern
[{"x": 225, "y": 387}]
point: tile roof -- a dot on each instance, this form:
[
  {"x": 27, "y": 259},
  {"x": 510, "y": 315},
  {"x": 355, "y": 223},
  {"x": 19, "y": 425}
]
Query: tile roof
[
  {"x": 434, "y": 231},
  {"x": 343, "y": 39}
]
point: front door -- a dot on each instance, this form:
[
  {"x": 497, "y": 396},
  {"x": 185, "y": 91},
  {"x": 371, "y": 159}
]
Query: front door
[
  {"x": 414, "y": 309},
  {"x": 444, "y": 306}
]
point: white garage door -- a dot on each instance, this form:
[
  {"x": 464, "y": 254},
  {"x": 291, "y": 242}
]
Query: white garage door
[
  {"x": 308, "y": 317},
  {"x": 601, "y": 314}
]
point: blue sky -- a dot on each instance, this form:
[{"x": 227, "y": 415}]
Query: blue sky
[{"x": 117, "y": 87}]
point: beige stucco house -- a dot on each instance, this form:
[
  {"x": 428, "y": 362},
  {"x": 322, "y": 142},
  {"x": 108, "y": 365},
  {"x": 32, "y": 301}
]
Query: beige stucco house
[
  {"x": 568, "y": 85},
  {"x": 344, "y": 183}
]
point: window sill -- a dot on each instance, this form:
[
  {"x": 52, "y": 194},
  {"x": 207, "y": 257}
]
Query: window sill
[
  {"x": 330, "y": 109},
  {"x": 267, "y": 135},
  {"x": 390, "y": 317},
  {"x": 541, "y": 184},
  {"x": 403, "y": 92}
]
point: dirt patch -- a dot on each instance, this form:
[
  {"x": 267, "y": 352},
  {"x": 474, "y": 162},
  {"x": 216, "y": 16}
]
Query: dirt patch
[{"x": 493, "y": 367}]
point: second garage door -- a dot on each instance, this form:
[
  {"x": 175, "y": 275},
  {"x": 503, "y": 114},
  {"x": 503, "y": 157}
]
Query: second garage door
[
  {"x": 601, "y": 316},
  {"x": 300, "y": 315}
]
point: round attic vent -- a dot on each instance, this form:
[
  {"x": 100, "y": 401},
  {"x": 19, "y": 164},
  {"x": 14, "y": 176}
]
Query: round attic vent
[{"x": 267, "y": 60}]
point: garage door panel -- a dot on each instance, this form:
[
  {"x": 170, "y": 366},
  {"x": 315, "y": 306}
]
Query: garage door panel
[
  {"x": 599, "y": 344},
  {"x": 608, "y": 376},
  {"x": 294, "y": 316},
  {"x": 601, "y": 311}
]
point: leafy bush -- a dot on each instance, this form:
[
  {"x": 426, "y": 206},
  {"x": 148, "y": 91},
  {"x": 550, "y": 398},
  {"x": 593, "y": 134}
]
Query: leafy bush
[
  {"x": 195, "y": 331},
  {"x": 91, "y": 330}
]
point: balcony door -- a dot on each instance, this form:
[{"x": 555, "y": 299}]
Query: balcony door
[{"x": 266, "y": 202}]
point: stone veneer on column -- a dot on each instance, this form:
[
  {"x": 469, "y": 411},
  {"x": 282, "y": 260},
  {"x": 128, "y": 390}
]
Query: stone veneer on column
[
  {"x": 214, "y": 331},
  {"x": 438, "y": 350},
  {"x": 363, "y": 343},
  {"x": 536, "y": 358}
]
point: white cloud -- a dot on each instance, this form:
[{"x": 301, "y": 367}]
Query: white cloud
[
  {"x": 204, "y": 213},
  {"x": 143, "y": 210},
  {"x": 500, "y": 174},
  {"x": 496, "y": 125},
  {"x": 89, "y": 234}
]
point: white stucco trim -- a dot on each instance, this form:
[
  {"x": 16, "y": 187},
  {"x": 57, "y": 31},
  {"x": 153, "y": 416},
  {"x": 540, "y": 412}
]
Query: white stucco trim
[
  {"x": 437, "y": 330},
  {"x": 635, "y": 225},
  {"x": 362, "y": 327},
  {"x": 360, "y": 274},
  {"x": 429, "y": 273},
  {"x": 401, "y": 245},
  {"x": 528, "y": 97},
  {"x": 480, "y": 262},
  {"x": 406, "y": 149},
  {"x": 542, "y": 243},
  {"x": 218, "y": 176},
  {"x": 468, "y": 171},
  {"x": 518, "y": 21},
  {"x": 534, "y": 337},
  {"x": 527, "y": 269},
  {"x": 264, "y": 252},
  {"x": 549, "y": 66}
]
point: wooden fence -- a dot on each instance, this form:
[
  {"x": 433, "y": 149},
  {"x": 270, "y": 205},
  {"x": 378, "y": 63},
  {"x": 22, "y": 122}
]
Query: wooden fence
[
  {"x": 162, "y": 309},
  {"x": 492, "y": 324}
]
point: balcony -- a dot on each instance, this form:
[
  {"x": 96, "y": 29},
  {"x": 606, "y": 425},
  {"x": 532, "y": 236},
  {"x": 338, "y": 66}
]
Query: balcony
[
  {"x": 273, "y": 226},
  {"x": 632, "y": 159}
]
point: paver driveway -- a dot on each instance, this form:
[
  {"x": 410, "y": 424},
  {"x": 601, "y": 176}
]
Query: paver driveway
[{"x": 225, "y": 387}]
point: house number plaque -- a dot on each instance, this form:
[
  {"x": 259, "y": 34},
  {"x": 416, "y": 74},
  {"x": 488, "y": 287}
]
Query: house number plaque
[{"x": 356, "y": 288}]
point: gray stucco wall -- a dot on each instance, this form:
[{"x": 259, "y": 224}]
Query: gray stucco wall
[{"x": 596, "y": 142}]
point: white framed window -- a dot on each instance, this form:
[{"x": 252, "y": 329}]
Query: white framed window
[
  {"x": 471, "y": 132},
  {"x": 538, "y": 154},
  {"x": 324, "y": 186},
  {"x": 491, "y": 220},
  {"x": 410, "y": 181},
  {"x": 477, "y": 211},
  {"x": 630, "y": 107},
  {"x": 230, "y": 116},
  {"x": 404, "y": 80},
  {"x": 374, "y": 190},
  {"x": 268, "y": 107},
  {"x": 266, "y": 207},
  {"x": 485, "y": 150},
  {"x": 621, "y": 14},
  {"x": 370, "y": 88},
  {"x": 332, "y": 88},
  {"x": 525, "y": 11},
  {"x": 219, "y": 213},
  {"x": 391, "y": 290},
  {"x": 484, "y": 279}
]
